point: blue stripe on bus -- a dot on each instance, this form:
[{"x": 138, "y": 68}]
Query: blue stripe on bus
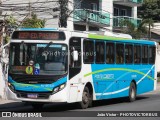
[
  {"x": 113, "y": 84},
  {"x": 37, "y": 87},
  {"x": 39, "y": 29}
]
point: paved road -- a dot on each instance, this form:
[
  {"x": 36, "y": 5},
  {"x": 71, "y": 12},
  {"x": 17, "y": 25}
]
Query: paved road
[{"x": 146, "y": 102}]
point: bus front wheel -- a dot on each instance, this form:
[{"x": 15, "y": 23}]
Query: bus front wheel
[
  {"x": 86, "y": 99},
  {"x": 132, "y": 92}
]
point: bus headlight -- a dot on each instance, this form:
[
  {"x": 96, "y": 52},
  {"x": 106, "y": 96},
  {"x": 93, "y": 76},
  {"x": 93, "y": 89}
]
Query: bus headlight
[
  {"x": 62, "y": 86},
  {"x": 59, "y": 88},
  {"x": 55, "y": 89},
  {"x": 11, "y": 87}
]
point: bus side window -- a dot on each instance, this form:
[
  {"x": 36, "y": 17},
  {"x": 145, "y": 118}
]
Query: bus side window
[
  {"x": 88, "y": 48},
  {"x": 137, "y": 54},
  {"x": 119, "y": 53},
  {"x": 145, "y": 54},
  {"x": 152, "y": 51},
  {"x": 129, "y": 54},
  {"x": 110, "y": 50},
  {"x": 99, "y": 52}
]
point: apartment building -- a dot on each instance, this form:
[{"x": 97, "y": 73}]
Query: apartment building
[
  {"x": 99, "y": 14},
  {"x": 86, "y": 15}
]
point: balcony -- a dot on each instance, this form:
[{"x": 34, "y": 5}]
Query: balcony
[
  {"x": 130, "y": 3},
  {"x": 91, "y": 17},
  {"x": 117, "y": 20}
]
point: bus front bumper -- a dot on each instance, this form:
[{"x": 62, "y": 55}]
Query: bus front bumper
[{"x": 60, "y": 96}]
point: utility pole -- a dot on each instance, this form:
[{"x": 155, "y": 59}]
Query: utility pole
[
  {"x": 87, "y": 20},
  {"x": 30, "y": 12},
  {"x": 63, "y": 13}
]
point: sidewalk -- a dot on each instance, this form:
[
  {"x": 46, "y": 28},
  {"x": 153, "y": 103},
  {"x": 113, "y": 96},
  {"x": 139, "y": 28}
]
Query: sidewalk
[{"x": 3, "y": 101}]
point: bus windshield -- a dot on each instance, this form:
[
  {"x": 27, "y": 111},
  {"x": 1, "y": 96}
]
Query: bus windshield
[{"x": 38, "y": 59}]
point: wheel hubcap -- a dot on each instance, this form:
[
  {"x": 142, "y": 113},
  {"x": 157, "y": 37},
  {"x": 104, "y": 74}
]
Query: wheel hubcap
[
  {"x": 132, "y": 93},
  {"x": 85, "y": 97}
]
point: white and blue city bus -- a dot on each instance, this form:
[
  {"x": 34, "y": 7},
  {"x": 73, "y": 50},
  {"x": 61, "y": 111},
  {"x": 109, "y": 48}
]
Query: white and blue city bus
[{"x": 52, "y": 65}]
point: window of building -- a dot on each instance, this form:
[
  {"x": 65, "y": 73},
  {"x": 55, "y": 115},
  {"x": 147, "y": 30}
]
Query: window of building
[
  {"x": 119, "y": 53},
  {"x": 116, "y": 11},
  {"x": 123, "y": 12},
  {"x": 94, "y": 6},
  {"x": 77, "y": 4},
  {"x": 137, "y": 54},
  {"x": 88, "y": 47},
  {"x": 152, "y": 53},
  {"x": 145, "y": 54},
  {"x": 100, "y": 50},
  {"x": 110, "y": 50},
  {"x": 129, "y": 54}
]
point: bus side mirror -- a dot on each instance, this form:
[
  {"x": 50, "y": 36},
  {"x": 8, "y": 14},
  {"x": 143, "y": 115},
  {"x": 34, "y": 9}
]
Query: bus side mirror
[{"x": 75, "y": 55}]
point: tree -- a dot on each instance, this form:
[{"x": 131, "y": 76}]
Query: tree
[
  {"x": 33, "y": 22},
  {"x": 137, "y": 32},
  {"x": 11, "y": 21},
  {"x": 147, "y": 22},
  {"x": 10, "y": 24},
  {"x": 150, "y": 9},
  {"x": 129, "y": 28}
]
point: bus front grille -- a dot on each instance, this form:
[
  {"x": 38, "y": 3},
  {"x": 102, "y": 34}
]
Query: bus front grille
[{"x": 40, "y": 95}]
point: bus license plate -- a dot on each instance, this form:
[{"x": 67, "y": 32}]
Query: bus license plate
[{"x": 34, "y": 96}]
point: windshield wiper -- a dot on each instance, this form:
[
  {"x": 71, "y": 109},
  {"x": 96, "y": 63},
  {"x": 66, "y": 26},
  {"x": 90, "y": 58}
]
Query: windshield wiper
[{"x": 48, "y": 45}]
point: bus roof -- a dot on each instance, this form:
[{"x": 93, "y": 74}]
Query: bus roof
[
  {"x": 109, "y": 37},
  {"x": 37, "y": 29},
  {"x": 120, "y": 39}
]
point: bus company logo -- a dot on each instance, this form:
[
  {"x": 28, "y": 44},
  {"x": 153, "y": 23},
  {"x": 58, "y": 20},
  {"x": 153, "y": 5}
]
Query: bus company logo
[
  {"x": 134, "y": 76},
  {"x": 104, "y": 76},
  {"x": 6, "y": 114}
]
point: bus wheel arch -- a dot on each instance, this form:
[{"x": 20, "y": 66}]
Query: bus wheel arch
[
  {"x": 87, "y": 96},
  {"x": 132, "y": 91}
]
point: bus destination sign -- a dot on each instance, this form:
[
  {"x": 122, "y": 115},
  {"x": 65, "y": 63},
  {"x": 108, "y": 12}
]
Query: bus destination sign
[{"x": 38, "y": 35}]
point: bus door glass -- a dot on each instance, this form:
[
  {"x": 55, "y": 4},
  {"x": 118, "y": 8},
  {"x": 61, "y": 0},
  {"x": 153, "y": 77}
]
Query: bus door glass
[{"x": 75, "y": 56}]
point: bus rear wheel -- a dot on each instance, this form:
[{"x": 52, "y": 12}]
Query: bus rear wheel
[
  {"x": 87, "y": 99},
  {"x": 132, "y": 92}
]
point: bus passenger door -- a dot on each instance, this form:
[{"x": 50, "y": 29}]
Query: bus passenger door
[{"x": 74, "y": 67}]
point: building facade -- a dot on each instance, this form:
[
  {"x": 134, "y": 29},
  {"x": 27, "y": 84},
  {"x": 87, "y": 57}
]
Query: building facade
[
  {"x": 87, "y": 15},
  {"x": 99, "y": 14}
]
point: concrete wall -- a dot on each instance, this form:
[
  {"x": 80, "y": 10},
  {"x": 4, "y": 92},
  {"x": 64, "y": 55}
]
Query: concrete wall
[
  {"x": 134, "y": 12},
  {"x": 107, "y": 5},
  {"x": 70, "y": 25}
]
